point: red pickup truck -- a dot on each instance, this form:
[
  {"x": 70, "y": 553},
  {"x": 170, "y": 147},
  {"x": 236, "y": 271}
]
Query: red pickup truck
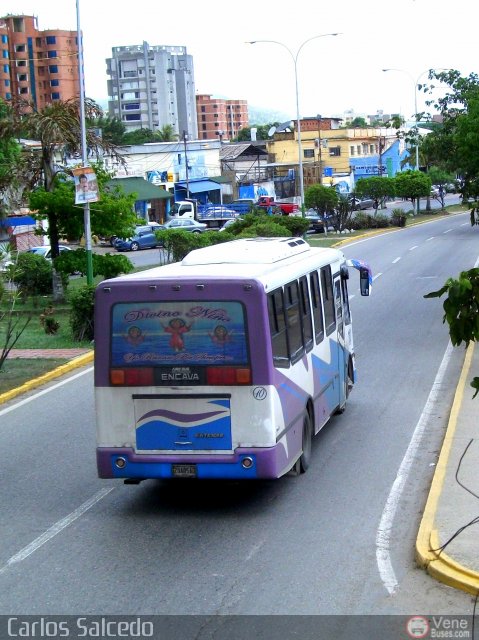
[{"x": 286, "y": 208}]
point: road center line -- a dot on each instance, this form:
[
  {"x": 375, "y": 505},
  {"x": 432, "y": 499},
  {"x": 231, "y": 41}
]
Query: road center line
[
  {"x": 415, "y": 247},
  {"x": 55, "y": 529},
  {"x": 396, "y": 260},
  {"x": 448, "y": 230},
  {"x": 383, "y": 534},
  {"x": 431, "y": 238},
  {"x": 377, "y": 276}
]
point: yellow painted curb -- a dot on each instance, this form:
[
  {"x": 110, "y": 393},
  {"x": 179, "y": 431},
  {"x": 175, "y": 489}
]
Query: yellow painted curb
[
  {"x": 437, "y": 564},
  {"x": 80, "y": 361}
]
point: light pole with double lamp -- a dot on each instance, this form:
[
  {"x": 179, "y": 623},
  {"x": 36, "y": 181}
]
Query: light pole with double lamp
[{"x": 294, "y": 57}]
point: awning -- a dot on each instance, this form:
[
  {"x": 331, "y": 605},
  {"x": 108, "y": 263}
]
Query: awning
[
  {"x": 199, "y": 186},
  {"x": 18, "y": 221}
]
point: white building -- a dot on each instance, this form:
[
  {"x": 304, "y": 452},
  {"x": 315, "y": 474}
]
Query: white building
[{"x": 152, "y": 86}]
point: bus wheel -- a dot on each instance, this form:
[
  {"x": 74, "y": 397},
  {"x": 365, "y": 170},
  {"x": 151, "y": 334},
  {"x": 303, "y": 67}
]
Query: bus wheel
[{"x": 305, "y": 458}]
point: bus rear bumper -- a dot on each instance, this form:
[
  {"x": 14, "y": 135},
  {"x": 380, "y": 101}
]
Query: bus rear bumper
[{"x": 258, "y": 463}]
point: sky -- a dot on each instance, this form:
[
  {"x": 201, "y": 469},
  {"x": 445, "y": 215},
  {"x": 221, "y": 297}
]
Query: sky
[{"x": 333, "y": 73}]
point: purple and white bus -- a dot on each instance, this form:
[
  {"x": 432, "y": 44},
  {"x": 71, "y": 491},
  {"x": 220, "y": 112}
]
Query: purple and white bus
[{"x": 223, "y": 365}]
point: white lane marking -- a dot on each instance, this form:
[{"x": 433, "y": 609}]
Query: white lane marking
[
  {"x": 377, "y": 276},
  {"x": 412, "y": 248},
  {"x": 383, "y": 534},
  {"x": 465, "y": 224},
  {"x": 431, "y": 238},
  {"x": 396, "y": 260},
  {"x": 449, "y": 230},
  {"x": 55, "y": 529},
  {"x": 41, "y": 393}
]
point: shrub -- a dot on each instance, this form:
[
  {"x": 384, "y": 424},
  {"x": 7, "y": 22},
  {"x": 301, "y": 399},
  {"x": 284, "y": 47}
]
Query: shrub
[
  {"x": 82, "y": 302},
  {"x": 398, "y": 218},
  {"x": 48, "y": 321},
  {"x": 32, "y": 275},
  {"x": 111, "y": 265},
  {"x": 296, "y": 225}
]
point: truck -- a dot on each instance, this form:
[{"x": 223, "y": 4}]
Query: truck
[
  {"x": 213, "y": 215},
  {"x": 275, "y": 206}
]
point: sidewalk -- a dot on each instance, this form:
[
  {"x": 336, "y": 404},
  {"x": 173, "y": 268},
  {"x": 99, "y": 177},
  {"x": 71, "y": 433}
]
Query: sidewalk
[{"x": 447, "y": 544}]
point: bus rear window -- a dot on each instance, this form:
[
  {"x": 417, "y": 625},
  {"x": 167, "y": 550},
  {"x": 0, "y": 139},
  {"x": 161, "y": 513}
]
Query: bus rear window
[{"x": 178, "y": 334}]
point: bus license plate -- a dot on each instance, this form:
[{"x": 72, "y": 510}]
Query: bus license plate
[{"x": 183, "y": 470}]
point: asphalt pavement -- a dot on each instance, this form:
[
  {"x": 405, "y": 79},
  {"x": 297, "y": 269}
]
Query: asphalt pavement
[{"x": 447, "y": 544}]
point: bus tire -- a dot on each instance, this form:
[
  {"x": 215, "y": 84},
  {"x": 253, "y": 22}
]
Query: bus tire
[{"x": 305, "y": 458}]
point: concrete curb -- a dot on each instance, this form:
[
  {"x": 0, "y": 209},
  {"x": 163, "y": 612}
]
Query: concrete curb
[
  {"x": 75, "y": 363},
  {"x": 428, "y": 555}
]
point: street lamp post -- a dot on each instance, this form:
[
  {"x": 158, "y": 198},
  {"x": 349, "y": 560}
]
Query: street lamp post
[
  {"x": 294, "y": 58},
  {"x": 415, "y": 113}
]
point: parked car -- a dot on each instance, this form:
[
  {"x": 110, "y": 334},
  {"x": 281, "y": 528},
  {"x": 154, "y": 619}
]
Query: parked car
[
  {"x": 362, "y": 203},
  {"x": 184, "y": 224},
  {"x": 316, "y": 222},
  {"x": 46, "y": 250},
  {"x": 228, "y": 223},
  {"x": 144, "y": 238}
]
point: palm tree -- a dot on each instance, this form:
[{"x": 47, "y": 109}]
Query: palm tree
[
  {"x": 166, "y": 134},
  {"x": 57, "y": 126}
]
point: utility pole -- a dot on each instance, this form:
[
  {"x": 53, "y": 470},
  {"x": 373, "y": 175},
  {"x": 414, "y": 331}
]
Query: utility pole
[
  {"x": 186, "y": 165},
  {"x": 320, "y": 153}
]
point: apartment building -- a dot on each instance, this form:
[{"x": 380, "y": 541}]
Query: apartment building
[
  {"x": 152, "y": 86},
  {"x": 222, "y": 118},
  {"x": 40, "y": 66}
]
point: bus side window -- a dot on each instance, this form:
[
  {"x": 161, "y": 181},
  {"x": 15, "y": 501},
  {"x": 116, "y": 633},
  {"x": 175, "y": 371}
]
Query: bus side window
[
  {"x": 295, "y": 328},
  {"x": 306, "y": 314},
  {"x": 317, "y": 307},
  {"x": 347, "y": 310},
  {"x": 328, "y": 299},
  {"x": 277, "y": 325}
]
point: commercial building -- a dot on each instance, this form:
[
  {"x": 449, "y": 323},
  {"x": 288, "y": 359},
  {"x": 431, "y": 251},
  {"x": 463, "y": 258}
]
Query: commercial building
[
  {"x": 40, "y": 66},
  {"x": 150, "y": 87},
  {"x": 218, "y": 117},
  {"x": 334, "y": 156}
]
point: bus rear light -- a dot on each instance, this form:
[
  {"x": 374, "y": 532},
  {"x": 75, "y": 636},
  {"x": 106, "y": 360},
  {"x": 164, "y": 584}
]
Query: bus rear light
[
  {"x": 228, "y": 375},
  {"x": 134, "y": 377}
]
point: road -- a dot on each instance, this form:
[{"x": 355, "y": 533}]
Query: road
[{"x": 332, "y": 541}]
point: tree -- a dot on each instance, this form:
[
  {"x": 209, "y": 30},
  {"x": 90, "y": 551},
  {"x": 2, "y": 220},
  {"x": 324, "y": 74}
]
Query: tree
[
  {"x": 376, "y": 187},
  {"x": 112, "y": 129},
  {"x": 457, "y": 141},
  {"x": 358, "y": 122},
  {"x": 262, "y": 132},
  {"x": 166, "y": 134},
  {"x": 112, "y": 215},
  {"x": 323, "y": 199},
  {"x": 412, "y": 185},
  {"x": 461, "y": 310},
  {"x": 11, "y": 160},
  {"x": 138, "y": 136},
  {"x": 56, "y": 126}
]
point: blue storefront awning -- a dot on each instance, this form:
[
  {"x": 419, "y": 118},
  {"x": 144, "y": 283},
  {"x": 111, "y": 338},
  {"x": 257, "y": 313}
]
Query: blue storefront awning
[
  {"x": 17, "y": 221},
  {"x": 200, "y": 186}
]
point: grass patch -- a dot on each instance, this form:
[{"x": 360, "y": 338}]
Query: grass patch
[{"x": 17, "y": 371}]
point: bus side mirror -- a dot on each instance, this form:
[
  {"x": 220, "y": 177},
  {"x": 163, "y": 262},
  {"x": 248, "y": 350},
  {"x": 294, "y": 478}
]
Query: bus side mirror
[{"x": 364, "y": 281}]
